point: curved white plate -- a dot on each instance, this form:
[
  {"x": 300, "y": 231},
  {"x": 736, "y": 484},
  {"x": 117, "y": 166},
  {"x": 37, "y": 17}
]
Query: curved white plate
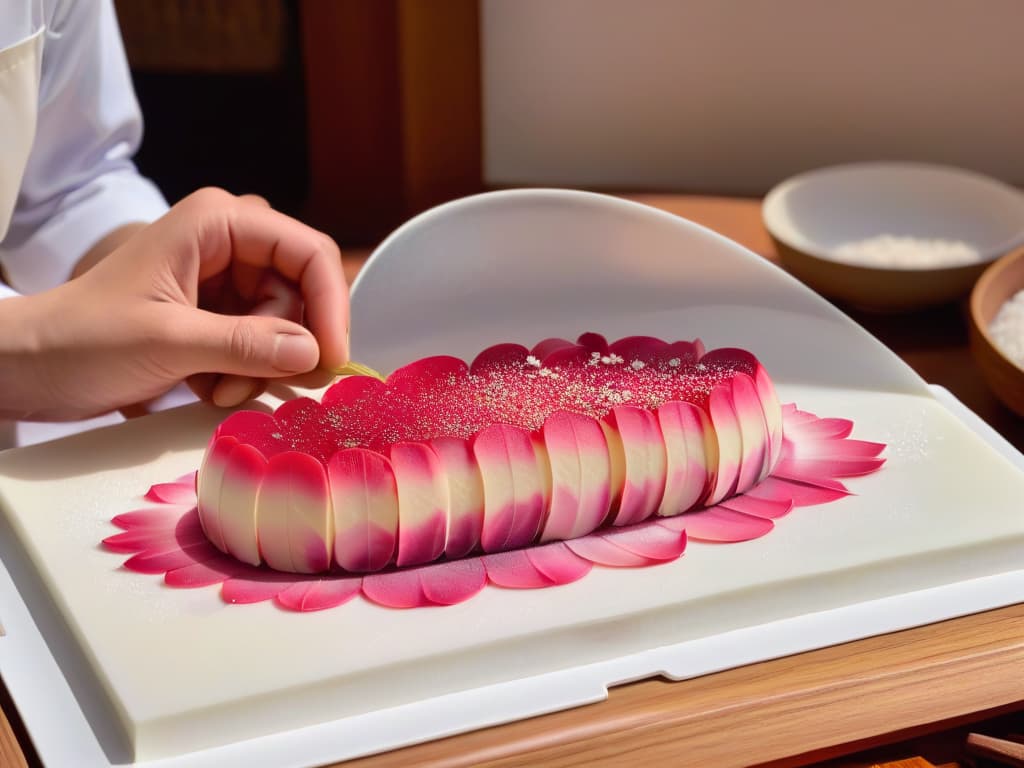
[{"x": 523, "y": 265}]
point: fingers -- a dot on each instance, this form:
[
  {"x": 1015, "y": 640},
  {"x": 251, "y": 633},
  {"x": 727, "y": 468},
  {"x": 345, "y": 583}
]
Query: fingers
[
  {"x": 255, "y": 199},
  {"x": 278, "y": 299},
  {"x": 228, "y": 390},
  {"x": 252, "y": 234},
  {"x": 247, "y": 346},
  {"x": 311, "y": 380},
  {"x": 234, "y": 390}
]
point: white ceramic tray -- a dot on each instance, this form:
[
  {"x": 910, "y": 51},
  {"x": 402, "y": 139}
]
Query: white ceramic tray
[{"x": 97, "y": 657}]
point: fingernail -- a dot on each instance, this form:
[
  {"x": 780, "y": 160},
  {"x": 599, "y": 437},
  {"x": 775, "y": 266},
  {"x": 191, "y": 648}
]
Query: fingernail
[{"x": 294, "y": 353}]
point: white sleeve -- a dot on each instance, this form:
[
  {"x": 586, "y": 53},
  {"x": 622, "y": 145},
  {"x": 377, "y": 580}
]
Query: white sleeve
[{"x": 80, "y": 182}]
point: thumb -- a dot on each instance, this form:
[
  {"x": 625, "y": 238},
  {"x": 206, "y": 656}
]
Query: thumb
[{"x": 246, "y": 345}]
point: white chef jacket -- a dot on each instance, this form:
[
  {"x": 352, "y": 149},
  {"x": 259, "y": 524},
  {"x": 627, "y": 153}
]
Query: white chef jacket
[{"x": 80, "y": 182}]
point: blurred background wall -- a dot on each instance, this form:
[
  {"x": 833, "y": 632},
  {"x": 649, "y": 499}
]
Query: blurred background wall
[
  {"x": 733, "y": 96},
  {"x": 221, "y": 87},
  {"x": 355, "y": 114}
]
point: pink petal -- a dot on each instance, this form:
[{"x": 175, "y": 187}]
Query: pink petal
[
  {"x": 157, "y": 561},
  {"x": 413, "y": 376},
  {"x": 647, "y": 540},
  {"x": 603, "y": 551},
  {"x": 305, "y": 425},
  {"x": 351, "y": 390},
  {"x": 255, "y": 589},
  {"x": 793, "y": 418},
  {"x": 544, "y": 348},
  {"x": 819, "y": 428},
  {"x": 514, "y": 489},
  {"x": 800, "y": 494},
  {"x": 755, "y": 439},
  {"x": 444, "y": 583},
  {"x": 514, "y": 570},
  {"x": 213, "y": 571},
  {"x": 395, "y": 589},
  {"x": 687, "y": 352},
  {"x": 566, "y": 357},
  {"x": 730, "y": 442},
  {"x": 557, "y": 563},
  {"x": 732, "y": 358},
  {"x": 813, "y": 470},
  {"x": 770, "y": 509},
  {"x": 593, "y": 342},
  {"x": 812, "y": 448},
  {"x": 154, "y": 517},
  {"x": 643, "y": 348},
  {"x": 724, "y": 525},
  {"x": 254, "y": 428},
  {"x": 172, "y": 493},
  {"x": 318, "y": 594},
  {"x": 498, "y": 356},
  {"x": 138, "y": 539},
  {"x": 365, "y": 509},
  {"x": 452, "y": 581}
]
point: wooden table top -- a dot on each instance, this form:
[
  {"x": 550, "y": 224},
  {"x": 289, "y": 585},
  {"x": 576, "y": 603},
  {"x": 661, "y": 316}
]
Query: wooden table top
[{"x": 787, "y": 712}]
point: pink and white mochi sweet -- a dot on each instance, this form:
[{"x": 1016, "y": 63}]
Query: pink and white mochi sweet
[{"x": 521, "y": 447}]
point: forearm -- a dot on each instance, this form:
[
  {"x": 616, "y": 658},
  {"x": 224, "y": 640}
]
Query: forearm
[{"x": 21, "y": 396}]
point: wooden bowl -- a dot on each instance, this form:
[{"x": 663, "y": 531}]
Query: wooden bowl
[
  {"x": 811, "y": 216},
  {"x": 1000, "y": 281}
]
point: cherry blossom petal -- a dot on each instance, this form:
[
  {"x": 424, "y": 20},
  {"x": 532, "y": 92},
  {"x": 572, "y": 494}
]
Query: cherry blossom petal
[
  {"x": 411, "y": 377},
  {"x": 816, "y": 448},
  {"x": 593, "y": 342},
  {"x": 514, "y": 570},
  {"x": 725, "y": 525},
  {"x": 182, "y": 494},
  {"x": 499, "y": 356},
  {"x": 139, "y": 539},
  {"x": 557, "y": 563},
  {"x": 254, "y": 428},
  {"x": 544, "y": 348},
  {"x": 830, "y": 428},
  {"x": 800, "y": 494},
  {"x": 350, "y": 391},
  {"x": 256, "y": 587},
  {"x": 814, "y": 470},
  {"x": 161, "y": 561},
  {"x": 395, "y": 589},
  {"x": 769, "y": 509},
  {"x": 453, "y": 581},
  {"x": 601, "y": 550},
  {"x": 646, "y": 349},
  {"x": 652, "y": 542},
  {"x": 153, "y": 517},
  {"x": 318, "y": 594},
  {"x": 444, "y": 583},
  {"x": 205, "y": 574},
  {"x": 574, "y": 354}
]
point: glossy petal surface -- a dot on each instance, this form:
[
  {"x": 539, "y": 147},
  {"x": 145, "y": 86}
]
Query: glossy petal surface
[{"x": 167, "y": 538}]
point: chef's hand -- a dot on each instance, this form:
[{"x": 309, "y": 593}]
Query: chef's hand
[{"x": 222, "y": 291}]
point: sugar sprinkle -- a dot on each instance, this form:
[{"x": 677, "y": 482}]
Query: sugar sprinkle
[{"x": 1007, "y": 329}]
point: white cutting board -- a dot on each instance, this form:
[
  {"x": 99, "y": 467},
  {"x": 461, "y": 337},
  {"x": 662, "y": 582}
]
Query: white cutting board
[{"x": 173, "y": 674}]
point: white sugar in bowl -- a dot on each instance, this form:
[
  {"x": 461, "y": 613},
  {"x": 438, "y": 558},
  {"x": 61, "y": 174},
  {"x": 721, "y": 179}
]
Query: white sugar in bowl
[{"x": 892, "y": 236}]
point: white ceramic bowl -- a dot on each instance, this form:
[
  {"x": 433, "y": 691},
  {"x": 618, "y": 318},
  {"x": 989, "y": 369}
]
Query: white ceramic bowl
[{"x": 812, "y": 215}]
